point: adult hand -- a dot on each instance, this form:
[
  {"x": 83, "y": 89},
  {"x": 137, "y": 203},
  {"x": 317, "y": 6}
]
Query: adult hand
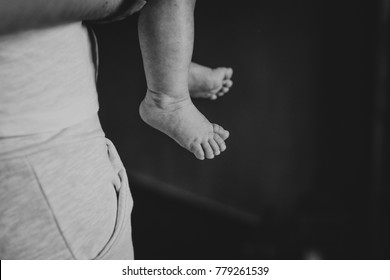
[{"x": 128, "y": 8}]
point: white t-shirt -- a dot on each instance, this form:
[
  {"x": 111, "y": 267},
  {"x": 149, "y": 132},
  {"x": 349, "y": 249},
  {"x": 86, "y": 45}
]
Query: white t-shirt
[{"x": 47, "y": 80}]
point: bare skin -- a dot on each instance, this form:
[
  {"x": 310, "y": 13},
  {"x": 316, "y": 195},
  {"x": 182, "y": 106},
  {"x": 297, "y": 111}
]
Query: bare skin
[
  {"x": 205, "y": 82},
  {"x": 182, "y": 121},
  {"x": 166, "y": 37}
]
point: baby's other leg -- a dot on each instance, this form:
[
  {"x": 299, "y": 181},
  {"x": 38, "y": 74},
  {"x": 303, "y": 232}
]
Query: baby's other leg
[{"x": 205, "y": 82}]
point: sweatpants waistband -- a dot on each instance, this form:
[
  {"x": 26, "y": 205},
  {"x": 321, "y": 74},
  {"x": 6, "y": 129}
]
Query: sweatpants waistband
[{"x": 17, "y": 146}]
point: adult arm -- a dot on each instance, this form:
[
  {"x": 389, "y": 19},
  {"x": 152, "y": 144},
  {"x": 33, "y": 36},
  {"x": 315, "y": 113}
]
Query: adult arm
[{"x": 19, "y": 15}]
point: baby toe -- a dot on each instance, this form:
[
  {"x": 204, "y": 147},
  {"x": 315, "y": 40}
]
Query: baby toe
[
  {"x": 216, "y": 90},
  {"x": 208, "y": 150},
  {"x": 220, "y": 131},
  {"x": 223, "y": 91},
  {"x": 221, "y": 143},
  {"x": 214, "y": 146},
  {"x": 197, "y": 151},
  {"x": 227, "y": 83},
  {"x": 228, "y": 73}
]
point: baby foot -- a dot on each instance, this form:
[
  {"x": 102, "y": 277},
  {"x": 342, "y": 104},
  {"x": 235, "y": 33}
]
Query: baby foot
[
  {"x": 181, "y": 120},
  {"x": 204, "y": 82}
]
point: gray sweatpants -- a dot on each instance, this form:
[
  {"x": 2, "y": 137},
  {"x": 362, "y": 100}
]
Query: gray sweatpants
[{"x": 64, "y": 195}]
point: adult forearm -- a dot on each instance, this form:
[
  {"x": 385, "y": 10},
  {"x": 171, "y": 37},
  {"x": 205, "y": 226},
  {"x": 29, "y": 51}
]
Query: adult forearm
[
  {"x": 166, "y": 31},
  {"x": 17, "y": 15}
]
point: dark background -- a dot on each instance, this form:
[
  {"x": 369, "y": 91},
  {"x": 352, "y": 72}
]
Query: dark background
[{"x": 305, "y": 174}]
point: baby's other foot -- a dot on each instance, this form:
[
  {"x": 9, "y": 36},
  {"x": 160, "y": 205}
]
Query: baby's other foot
[
  {"x": 204, "y": 82},
  {"x": 182, "y": 121}
]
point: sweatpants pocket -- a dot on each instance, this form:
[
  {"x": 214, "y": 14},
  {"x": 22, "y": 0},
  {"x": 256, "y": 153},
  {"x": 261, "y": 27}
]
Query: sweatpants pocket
[
  {"x": 120, "y": 245},
  {"x": 80, "y": 185}
]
